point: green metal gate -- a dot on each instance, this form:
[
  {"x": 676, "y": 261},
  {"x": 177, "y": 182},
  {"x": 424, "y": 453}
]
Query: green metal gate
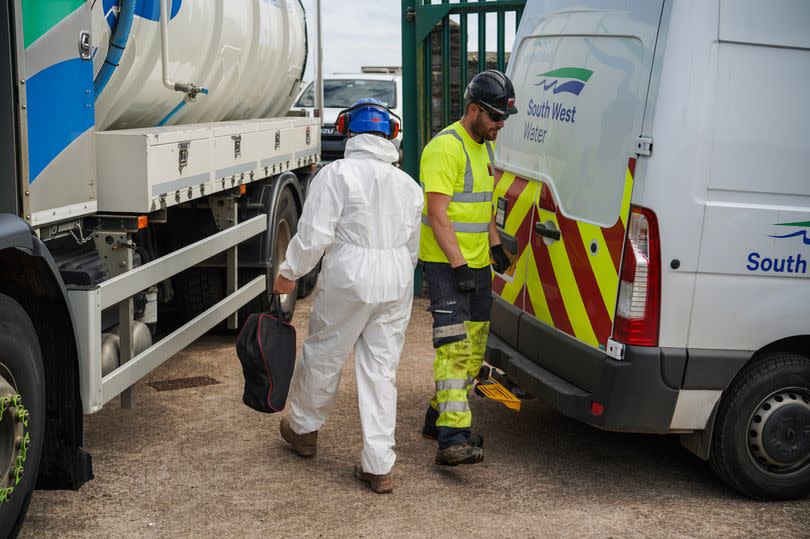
[{"x": 419, "y": 19}]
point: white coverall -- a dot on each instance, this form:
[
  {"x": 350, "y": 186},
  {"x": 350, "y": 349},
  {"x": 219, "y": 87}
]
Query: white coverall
[{"x": 362, "y": 214}]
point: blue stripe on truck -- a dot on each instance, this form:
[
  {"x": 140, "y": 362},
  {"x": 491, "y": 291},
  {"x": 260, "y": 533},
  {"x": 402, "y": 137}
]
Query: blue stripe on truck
[
  {"x": 146, "y": 9},
  {"x": 60, "y": 105}
]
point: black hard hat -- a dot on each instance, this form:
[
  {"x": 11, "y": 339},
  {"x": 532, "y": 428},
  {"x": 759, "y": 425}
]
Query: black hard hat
[{"x": 492, "y": 89}]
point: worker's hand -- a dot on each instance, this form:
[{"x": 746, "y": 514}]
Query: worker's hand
[
  {"x": 465, "y": 278},
  {"x": 283, "y": 285},
  {"x": 500, "y": 262}
]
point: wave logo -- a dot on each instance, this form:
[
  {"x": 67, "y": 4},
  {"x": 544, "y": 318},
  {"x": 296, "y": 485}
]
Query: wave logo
[
  {"x": 569, "y": 80},
  {"x": 799, "y": 233}
]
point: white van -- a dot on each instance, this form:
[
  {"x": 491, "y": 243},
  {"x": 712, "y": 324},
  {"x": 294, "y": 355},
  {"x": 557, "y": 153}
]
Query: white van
[
  {"x": 654, "y": 189},
  {"x": 340, "y": 91}
]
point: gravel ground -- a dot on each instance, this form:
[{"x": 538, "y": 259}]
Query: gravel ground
[{"x": 197, "y": 463}]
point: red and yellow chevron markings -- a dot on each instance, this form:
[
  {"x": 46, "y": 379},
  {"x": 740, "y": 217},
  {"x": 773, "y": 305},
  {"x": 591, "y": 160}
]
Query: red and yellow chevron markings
[
  {"x": 520, "y": 195},
  {"x": 570, "y": 284}
]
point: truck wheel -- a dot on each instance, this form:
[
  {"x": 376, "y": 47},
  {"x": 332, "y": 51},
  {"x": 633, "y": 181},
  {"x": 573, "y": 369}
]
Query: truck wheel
[
  {"x": 22, "y": 413},
  {"x": 199, "y": 289},
  {"x": 284, "y": 228},
  {"x": 307, "y": 283},
  {"x": 761, "y": 442}
]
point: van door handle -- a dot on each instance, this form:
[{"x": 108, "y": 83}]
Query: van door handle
[{"x": 550, "y": 233}]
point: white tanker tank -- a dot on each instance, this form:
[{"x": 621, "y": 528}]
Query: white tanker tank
[{"x": 249, "y": 55}]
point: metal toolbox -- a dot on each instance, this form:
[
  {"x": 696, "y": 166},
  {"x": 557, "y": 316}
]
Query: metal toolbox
[
  {"x": 306, "y": 139},
  {"x": 236, "y": 151},
  {"x": 276, "y": 142},
  {"x": 144, "y": 170}
]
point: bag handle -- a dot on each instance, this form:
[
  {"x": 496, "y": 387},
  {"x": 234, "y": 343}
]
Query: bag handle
[{"x": 277, "y": 309}]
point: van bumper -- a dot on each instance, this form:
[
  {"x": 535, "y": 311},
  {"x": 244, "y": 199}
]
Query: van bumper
[{"x": 633, "y": 391}]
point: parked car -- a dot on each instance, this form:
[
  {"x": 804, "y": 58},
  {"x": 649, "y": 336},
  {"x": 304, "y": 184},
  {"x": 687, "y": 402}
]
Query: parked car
[{"x": 341, "y": 91}]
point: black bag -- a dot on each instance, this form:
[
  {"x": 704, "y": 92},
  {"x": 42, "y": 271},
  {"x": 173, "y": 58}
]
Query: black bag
[{"x": 266, "y": 350}]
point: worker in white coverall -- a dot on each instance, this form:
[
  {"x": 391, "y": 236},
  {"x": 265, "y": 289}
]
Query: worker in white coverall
[{"x": 362, "y": 215}]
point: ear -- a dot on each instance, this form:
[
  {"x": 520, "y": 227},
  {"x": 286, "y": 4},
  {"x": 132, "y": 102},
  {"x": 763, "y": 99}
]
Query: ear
[{"x": 394, "y": 129}]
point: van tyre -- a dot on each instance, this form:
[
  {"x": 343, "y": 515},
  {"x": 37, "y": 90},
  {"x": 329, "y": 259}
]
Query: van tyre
[
  {"x": 761, "y": 442},
  {"x": 21, "y": 373}
]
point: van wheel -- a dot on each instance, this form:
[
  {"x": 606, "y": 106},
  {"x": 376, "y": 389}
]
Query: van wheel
[
  {"x": 22, "y": 413},
  {"x": 761, "y": 443}
]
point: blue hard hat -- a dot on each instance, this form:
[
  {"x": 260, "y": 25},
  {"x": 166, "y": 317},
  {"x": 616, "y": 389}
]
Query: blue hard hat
[{"x": 375, "y": 117}]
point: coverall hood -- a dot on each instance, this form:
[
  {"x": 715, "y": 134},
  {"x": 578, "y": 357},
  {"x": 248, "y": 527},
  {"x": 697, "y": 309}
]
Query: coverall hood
[{"x": 367, "y": 146}]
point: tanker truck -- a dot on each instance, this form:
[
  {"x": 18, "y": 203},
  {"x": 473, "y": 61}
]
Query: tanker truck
[{"x": 148, "y": 169}]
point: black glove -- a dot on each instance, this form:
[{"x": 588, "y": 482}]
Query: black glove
[
  {"x": 465, "y": 278},
  {"x": 500, "y": 262}
]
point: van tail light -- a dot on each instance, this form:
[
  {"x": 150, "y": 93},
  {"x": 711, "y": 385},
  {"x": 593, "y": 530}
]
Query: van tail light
[{"x": 638, "y": 309}]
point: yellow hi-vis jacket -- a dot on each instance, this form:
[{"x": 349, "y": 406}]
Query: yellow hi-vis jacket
[{"x": 454, "y": 164}]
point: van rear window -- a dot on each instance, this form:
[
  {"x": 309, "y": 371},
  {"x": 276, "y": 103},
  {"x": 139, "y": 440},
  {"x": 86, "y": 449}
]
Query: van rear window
[{"x": 580, "y": 101}]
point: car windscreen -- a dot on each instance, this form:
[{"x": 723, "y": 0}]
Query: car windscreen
[{"x": 342, "y": 93}]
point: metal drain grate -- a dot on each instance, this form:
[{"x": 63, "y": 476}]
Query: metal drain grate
[{"x": 183, "y": 383}]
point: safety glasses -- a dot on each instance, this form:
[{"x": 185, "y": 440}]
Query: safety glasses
[{"x": 494, "y": 116}]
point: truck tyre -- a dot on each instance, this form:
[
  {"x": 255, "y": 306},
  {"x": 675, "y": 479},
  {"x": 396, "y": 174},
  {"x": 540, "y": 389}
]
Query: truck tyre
[
  {"x": 284, "y": 229},
  {"x": 307, "y": 283},
  {"x": 22, "y": 401},
  {"x": 761, "y": 442},
  {"x": 199, "y": 289}
]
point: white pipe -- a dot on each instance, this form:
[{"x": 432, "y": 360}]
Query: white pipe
[
  {"x": 165, "y": 14},
  {"x": 190, "y": 88},
  {"x": 319, "y": 64}
]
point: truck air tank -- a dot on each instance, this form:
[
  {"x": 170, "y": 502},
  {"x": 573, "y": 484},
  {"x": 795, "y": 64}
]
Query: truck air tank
[{"x": 249, "y": 54}]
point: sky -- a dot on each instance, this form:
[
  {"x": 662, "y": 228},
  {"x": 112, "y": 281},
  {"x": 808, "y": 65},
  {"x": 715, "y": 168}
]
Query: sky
[{"x": 358, "y": 33}]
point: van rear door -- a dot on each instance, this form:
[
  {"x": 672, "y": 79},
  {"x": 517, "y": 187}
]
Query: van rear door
[{"x": 581, "y": 77}]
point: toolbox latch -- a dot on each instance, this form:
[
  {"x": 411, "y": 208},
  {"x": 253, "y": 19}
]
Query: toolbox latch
[
  {"x": 237, "y": 146},
  {"x": 182, "y": 155}
]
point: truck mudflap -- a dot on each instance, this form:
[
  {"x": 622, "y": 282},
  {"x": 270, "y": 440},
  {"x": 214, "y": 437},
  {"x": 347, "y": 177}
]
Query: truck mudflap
[{"x": 631, "y": 394}]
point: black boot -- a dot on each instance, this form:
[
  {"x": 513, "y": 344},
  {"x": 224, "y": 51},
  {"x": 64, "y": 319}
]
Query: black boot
[
  {"x": 429, "y": 429},
  {"x": 459, "y": 454}
]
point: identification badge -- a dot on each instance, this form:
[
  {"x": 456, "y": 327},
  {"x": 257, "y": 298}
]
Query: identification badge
[{"x": 500, "y": 214}]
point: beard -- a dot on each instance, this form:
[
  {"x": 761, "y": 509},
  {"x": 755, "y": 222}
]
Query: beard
[{"x": 482, "y": 130}]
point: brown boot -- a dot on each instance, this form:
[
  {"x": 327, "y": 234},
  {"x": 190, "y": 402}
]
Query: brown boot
[
  {"x": 463, "y": 453},
  {"x": 305, "y": 445},
  {"x": 381, "y": 484}
]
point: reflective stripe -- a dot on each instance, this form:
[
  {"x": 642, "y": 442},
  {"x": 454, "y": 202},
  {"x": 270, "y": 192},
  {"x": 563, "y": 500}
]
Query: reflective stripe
[
  {"x": 456, "y": 330},
  {"x": 454, "y": 383},
  {"x": 491, "y": 155},
  {"x": 468, "y": 174},
  {"x": 454, "y": 407},
  {"x": 462, "y": 227},
  {"x": 470, "y": 380},
  {"x": 484, "y": 196},
  {"x": 471, "y": 227},
  {"x": 481, "y": 196}
]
